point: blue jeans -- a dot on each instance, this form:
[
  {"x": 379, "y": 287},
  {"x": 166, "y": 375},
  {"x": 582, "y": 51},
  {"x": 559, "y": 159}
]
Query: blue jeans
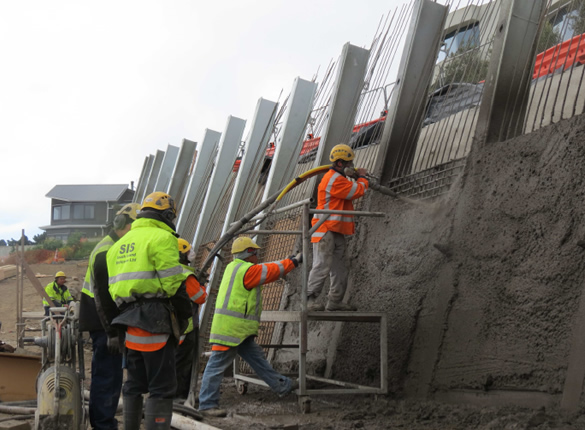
[
  {"x": 219, "y": 361},
  {"x": 106, "y": 383}
]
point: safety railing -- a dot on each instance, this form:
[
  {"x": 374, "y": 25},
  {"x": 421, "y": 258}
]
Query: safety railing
[{"x": 302, "y": 317}]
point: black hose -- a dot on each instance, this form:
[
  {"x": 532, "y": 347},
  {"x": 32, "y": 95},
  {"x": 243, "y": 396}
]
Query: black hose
[{"x": 187, "y": 410}]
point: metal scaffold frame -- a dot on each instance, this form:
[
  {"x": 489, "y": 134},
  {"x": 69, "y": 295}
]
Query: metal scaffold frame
[{"x": 303, "y": 317}]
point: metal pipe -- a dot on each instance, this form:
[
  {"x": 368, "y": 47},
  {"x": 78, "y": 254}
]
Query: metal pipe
[
  {"x": 303, "y": 326},
  {"x": 319, "y": 224},
  {"x": 280, "y": 210},
  {"x": 276, "y": 232},
  {"x": 19, "y": 410},
  {"x": 356, "y": 213}
]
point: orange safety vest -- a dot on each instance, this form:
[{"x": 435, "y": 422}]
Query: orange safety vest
[{"x": 336, "y": 193}]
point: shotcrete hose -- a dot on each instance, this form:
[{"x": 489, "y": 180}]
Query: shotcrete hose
[{"x": 269, "y": 203}]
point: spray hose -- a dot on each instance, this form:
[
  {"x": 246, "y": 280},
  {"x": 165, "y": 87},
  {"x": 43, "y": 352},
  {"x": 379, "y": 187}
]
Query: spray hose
[{"x": 269, "y": 203}]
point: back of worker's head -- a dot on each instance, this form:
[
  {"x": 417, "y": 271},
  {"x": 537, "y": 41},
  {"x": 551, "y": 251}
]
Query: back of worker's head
[
  {"x": 341, "y": 155},
  {"x": 184, "y": 248},
  {"x": 126, "y": 216},
  {"x": 244, "y": 247},
  {"x": 161, "y": 203}
]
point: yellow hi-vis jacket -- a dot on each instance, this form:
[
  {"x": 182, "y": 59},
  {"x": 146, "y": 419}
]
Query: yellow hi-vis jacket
[
  {"x": 237, "y": 310},
  {"x": 89, "y": 282},
  {"x": 59, "y": 295},
  {"x": 144, "y": 264}
]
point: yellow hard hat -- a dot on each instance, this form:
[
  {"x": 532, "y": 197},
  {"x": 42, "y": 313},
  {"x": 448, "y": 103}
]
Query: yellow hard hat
[
  {"x": 243, "y": 243},
  {"x": 184, "y": 246},
  {"x": 60, "y": 274},
  {"x": 159, "y": 201},
  {"x": 341, "y": 152},
  {"x": 130, "y": 209}
]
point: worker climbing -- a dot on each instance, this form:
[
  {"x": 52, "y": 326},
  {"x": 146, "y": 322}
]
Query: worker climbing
[
  {"x": 153, "y": 292},
  {"x": 57, "y": 292},
  {"x": 335, "y": 192},
  {"x": 236, "y": 321}
]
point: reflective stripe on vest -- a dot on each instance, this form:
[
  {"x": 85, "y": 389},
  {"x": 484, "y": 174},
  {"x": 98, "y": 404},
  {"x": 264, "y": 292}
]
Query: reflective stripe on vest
[
  {"x": 89, "y": 282},
  {"x": 237, "y": 311},
  {"x": 144, "y": 263},
  {"x": 141, "y": 340},
  {"x": 336, "y": 193}
]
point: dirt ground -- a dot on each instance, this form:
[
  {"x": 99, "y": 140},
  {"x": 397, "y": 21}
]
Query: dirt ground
[{"x": 262, "y": 409}]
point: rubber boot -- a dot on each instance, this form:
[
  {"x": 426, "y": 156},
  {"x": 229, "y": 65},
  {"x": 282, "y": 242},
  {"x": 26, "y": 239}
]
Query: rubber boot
[
  {"x": 158, "y": 414},
  {"x": 132, "y": 412}
]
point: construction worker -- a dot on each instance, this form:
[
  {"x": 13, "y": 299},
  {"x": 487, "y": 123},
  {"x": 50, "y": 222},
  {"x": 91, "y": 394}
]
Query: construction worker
[
  {"x": 335, "y": 192},
  {"x": 147, "y": 284},
  {"x": 57, "y": 292},
  {"x": 236, "y": 320},
  {"x": 106, "y": 362},
  {"x": 188, "y": 340}
]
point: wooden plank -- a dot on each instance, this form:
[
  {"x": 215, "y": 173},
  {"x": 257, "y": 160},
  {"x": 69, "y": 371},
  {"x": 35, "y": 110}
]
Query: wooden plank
[
  {"x": 19, "y": 375},
  {"x": 34, "y": 281}
]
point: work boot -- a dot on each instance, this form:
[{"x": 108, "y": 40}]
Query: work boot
[
  {"x": 313, "y": 306},
  {"x": 339, "y": 306},
  {"x": 132, "y": 412},
  {"x": 294, "y": 385},
  {"x": 213, "y": 413},
  {"x": 158, "y": 414}
]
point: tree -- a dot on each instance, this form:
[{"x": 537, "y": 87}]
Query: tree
[
  {"x": 578, "y": 19},
  {"x": 17, "y": 242},
  {"x": 464, "y": 65},
  {"x": 548, "y": 37},
  {"x": 40, "y": 238},
  {"x": 3, "y": 242}
]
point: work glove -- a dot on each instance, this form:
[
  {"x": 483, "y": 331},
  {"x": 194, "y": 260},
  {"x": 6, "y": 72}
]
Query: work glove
[
  {"x": 113, "y": 344},
  {"x": 202, "y": 278},
  {"x": 297, "y": 259}
]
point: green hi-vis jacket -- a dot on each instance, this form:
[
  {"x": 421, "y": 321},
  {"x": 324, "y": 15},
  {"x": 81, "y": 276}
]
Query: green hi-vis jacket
[
  {"x": 237, "y": 310},
  {"x": 89, "y": 283},
  {"x": 59, "y": 295},
  {"x": 144, "y": 264}
]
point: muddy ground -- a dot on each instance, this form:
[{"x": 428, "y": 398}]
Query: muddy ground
[{"x": 261, "y": 409}]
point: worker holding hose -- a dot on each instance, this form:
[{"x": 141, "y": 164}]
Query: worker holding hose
[
  {"x": 336, "y": 192},
  {"x": 236, "y": 321}
]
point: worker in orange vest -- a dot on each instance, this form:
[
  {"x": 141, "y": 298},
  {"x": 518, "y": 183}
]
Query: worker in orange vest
[{"x": 336, "y": 192}]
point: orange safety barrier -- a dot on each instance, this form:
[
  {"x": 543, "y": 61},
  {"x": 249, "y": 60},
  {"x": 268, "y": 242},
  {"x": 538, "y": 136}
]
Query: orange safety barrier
[{"x": 563, "y": 55}]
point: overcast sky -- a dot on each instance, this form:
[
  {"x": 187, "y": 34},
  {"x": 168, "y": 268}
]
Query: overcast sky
[{"x": 89, "y": 89}]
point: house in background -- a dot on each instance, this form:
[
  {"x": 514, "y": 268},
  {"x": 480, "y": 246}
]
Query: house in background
[{"x": 87, "y": 209}]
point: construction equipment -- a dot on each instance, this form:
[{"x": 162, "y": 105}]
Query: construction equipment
[
  {"x": 59, "y": 385},
  {"x": 374, "y": 184}
]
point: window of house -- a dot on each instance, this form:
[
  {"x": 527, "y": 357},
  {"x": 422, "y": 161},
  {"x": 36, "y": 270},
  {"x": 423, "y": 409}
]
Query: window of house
[
  {"x": 81, "y": 211},
  {"x": 61, "y": 212},
  {"x": 566, "y": 22},
  {"x": 463, "y": 38}
]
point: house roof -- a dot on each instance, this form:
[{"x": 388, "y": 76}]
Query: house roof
[{"x": 87, "y": 193}]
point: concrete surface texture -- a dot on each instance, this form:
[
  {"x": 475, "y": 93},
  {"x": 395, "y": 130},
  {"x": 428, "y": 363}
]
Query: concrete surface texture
[{"x": 482, "y": 288}]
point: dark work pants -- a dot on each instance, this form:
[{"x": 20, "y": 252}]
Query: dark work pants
[
  {"x": 152, "y": 372},
  {"x": 106, "y": 383},
  {"x": 185, "y": 353}
]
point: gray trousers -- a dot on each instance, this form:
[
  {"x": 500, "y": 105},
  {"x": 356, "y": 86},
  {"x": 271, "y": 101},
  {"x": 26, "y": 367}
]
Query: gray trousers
[{"x": 329, "y": 259}]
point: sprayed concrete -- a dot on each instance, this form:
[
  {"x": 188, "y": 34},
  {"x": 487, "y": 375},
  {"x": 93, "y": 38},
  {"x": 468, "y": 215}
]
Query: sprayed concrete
[{"x": 482, "y": 289}]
